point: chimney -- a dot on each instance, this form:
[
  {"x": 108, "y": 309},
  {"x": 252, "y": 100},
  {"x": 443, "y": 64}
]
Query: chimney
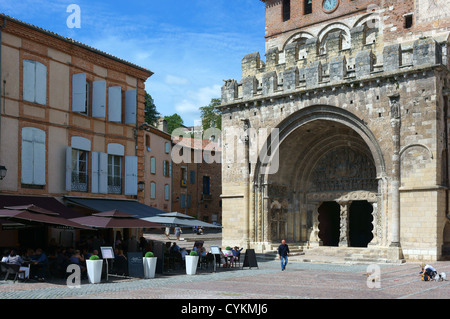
[{"x": 162, "y": 124}]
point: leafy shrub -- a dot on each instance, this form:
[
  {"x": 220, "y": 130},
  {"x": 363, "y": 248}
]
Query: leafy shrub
[
  {"x": 94, "y": 257},
  {"x": 193, "y": 253},
  {"x": 149, "y": 254}
]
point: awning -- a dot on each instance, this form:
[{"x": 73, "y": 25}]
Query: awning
[
  {"x": 44, "y": 202},
  {"x": 128, "y": 206},
  {"x": 36, "y": 215}
]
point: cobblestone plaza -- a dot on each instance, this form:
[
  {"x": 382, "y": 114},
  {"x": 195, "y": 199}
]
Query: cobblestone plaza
[{"x": 300, "y": 281}]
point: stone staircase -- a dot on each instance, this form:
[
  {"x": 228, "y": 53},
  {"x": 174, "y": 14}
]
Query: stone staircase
[
  {"x": 335, "y": 255},
  {"x": 271, "y": 253}
]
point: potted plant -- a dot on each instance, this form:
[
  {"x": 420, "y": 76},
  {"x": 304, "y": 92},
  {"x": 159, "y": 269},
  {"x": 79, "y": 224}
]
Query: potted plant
[
  {"x": 149, "y": 261},
  {"x": 94, "y": 267},
  {"x": 191, "y": 263}
]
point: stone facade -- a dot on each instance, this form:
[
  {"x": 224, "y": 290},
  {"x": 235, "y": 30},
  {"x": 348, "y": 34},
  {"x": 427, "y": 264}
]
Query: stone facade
[{"x": 358, "y": 117}]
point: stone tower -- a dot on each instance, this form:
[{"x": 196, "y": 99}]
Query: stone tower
[{"x": 340, "y": 137}]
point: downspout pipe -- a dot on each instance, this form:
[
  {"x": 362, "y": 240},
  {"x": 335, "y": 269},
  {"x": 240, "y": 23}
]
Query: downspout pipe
[{"x": 1, "y": 80}]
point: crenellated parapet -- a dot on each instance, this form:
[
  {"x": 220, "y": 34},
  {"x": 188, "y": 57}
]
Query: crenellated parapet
[{"x": 305, "y": 67}]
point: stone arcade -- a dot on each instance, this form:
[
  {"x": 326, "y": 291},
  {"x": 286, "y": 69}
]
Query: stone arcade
[{"x": 360, "y": 104}]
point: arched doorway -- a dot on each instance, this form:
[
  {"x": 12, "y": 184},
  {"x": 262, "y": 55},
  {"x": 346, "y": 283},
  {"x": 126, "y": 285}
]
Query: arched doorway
[
  {"x": 322, "y": 154},
  {"x": 360, "y": 223},
  {"x": 329, "y": 223}
]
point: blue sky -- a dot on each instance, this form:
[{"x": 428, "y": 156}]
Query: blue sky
[{"x": 191, "y": 46}]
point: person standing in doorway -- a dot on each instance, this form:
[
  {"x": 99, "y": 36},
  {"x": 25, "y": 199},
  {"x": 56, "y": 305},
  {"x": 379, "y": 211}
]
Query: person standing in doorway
[{"x": 283, "y": 253}]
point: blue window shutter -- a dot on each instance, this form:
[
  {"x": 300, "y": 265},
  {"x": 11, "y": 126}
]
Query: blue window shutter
[
  {"x": 182, "y": 200},
  {"x": 130, "y": 175},
  {"x": 41, "y": 84},
  {"x": 152, "y": 165},
  {"x": 103, "y": 173},
  {"x": 152, "y": 190},
  {"x": 29, "y": 79},
  {"x": 166, "y": 192},
  {"x": 130, "y": 107},
  {"x": 27, "y": 156},
  {"x": 94, "y": 172},
  {"x": 38, "y": 157},
  {"x": 79, "y": 92},
  {"x": 99, "y": 98},
  {"x": 68, "y": 168},
  {"x": 188, "y": 205},
  {"x": 115, "y": 104}
]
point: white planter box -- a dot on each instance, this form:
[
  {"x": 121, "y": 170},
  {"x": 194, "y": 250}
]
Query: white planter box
[
  {"x": 191, "y": 264},
  {"x": 94, "y": 270},
  {"x": 149, "y": 266}
]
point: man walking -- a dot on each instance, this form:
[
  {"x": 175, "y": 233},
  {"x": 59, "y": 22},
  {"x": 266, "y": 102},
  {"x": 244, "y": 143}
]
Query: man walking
[{"x": 283, "y": 253}]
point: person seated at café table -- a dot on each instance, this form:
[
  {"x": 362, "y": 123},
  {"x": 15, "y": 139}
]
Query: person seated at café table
[
  {"x": 228, "y": 256},
  {"x": 14, "y": 258},
  {"x": 79, "y": 260},
  {"x": 39, "y": 264}
]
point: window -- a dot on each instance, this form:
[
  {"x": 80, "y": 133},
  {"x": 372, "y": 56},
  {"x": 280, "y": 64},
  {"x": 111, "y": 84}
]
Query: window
[
  {"x": 408, "y": 21},
  {"x": 153, "y": 165},
  {"x": 152, "y": 190},
  {"x": 192, "y": 177},
  {"x": 308, "y": 6},
  {"x": 166, "y": 192},
  {"x": 114, "y": 174},
  {"x": 183, "y": 176},
  {"x": 33, "y": 156},
  {"x": 206, "y": 185},
  {"x": 79, "y": 170},
  {"x": 167, "y": 147},
  {"x": 286, "y": 10},
  {"x": 34, "y": 82},
  {"x": 165, "y": 168},
  {"x": 147, "y": 142}
]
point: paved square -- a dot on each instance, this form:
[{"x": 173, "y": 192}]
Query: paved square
[{"x": 300, "y": 281}]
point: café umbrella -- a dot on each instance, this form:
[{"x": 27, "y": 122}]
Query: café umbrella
[
  {"x": 178, "y": 219},
  {"x": 32, "y": 214},
  {"x": 114, "y": 219}
]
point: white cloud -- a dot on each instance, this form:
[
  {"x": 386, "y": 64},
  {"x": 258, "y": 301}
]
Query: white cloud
[
  {"x": 175, "y": 80},
  {"x": 189, "y": 106}
]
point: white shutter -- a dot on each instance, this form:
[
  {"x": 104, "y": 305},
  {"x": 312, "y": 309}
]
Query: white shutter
[
  {"x": 41, "y": 84},
  {"x": 29, "y": 79},
  {"x": 79, "y": 92},
  {"x": 38, "y": 157},
  {"x": 94, "y": 172},
  {"x": 68, "y": 168},
  {"x": 27, "y": 156},
  {"x": 115, "y": 104},
  {"x": 99, "y": 99},
  {"x": 130, "y": 175},
  {"x": 103, "y": 173},
  {"x": 130, "y": 107}
]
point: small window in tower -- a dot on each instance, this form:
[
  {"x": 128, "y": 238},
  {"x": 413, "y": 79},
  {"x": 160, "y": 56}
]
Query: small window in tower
[
  {"x": 408, "y": 20},
  {"x": 286, "y": 10},
  {"x": 308, "y": 6}
]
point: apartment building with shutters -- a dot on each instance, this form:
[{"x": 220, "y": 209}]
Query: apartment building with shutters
[{"x": 70, "y": 117}]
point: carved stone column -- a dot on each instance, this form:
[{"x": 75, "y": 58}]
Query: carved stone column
[
  {"x": 395, "y": 184},
  {"x": 344, "y": 227},
  {"x": 375, "y": 241},
  {"x": 314, "y": 239}
]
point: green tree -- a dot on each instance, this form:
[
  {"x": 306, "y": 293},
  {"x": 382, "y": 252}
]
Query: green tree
[
  {"x": 151, "y": 114},
  {"x": 173, "y": 121},
  {"x": 211, "y": 116}
]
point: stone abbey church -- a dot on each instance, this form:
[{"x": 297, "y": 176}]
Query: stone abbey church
[{"x": 355, "y": 95}]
